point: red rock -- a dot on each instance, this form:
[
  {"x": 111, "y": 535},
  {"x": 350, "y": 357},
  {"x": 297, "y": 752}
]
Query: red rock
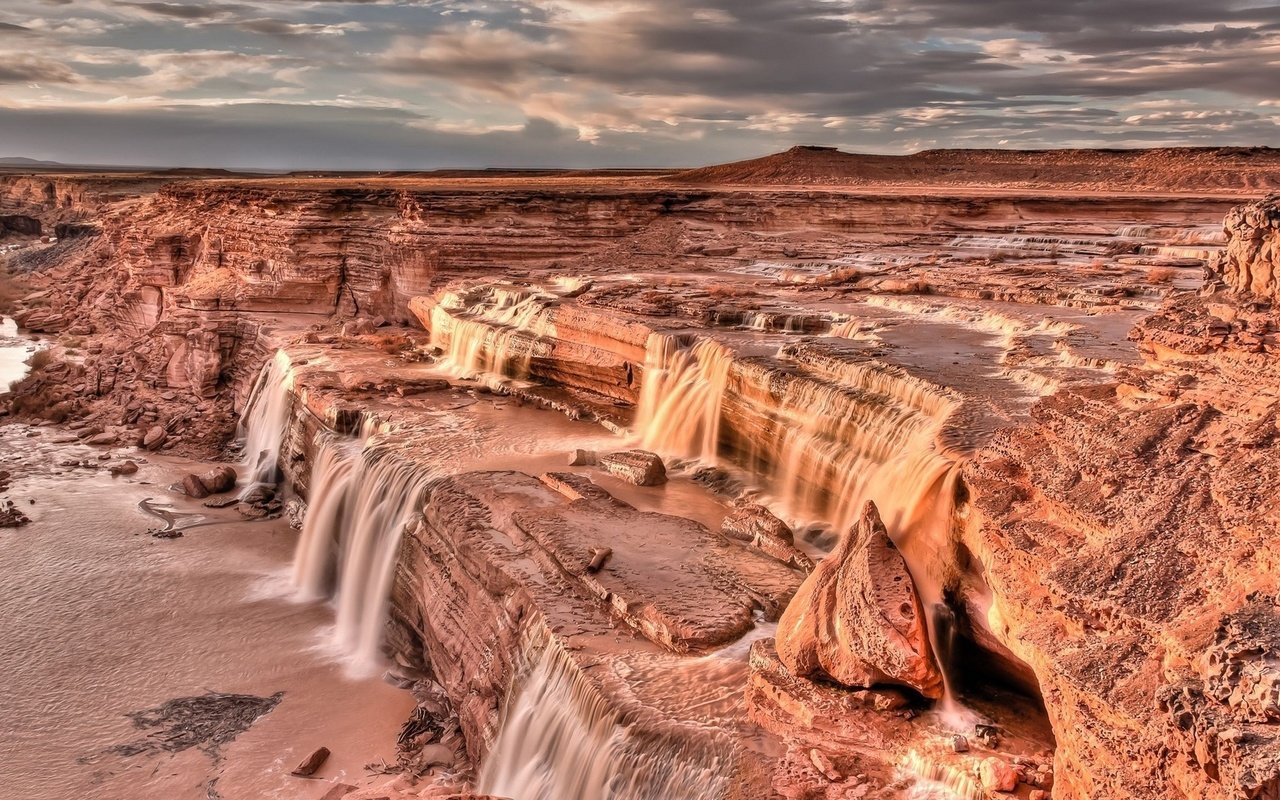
[
  {"x": 997, "y": 776},
  {"x": 857, "y": 619},
  {"x": 635, "y": 466}
]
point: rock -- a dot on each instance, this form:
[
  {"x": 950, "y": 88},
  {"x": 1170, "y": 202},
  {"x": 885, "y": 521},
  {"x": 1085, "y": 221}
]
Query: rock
[
  {"x": 1038, "y": 794},
  {"x": 1241, "y": 669},
  {"x": 259, "y": 496},
  {"x": 311, "y": 763},
  {"x": 581, "y": 458},
  {"x": 154, "y": 437},
  {"x": 599, "y": 556},
  {"x": 824, "y": 765},
  {"x": 193, "y": 486},
  {"x": 338, "y": 791},
  {"x": 219, "y": 479},
  {"x": 753, "y": 523},
  {"x": 635, "y": 466},
  {"x": 214, "y": 481},
  {"x": 719, "y": 250},
  {"x": 748, "y": 520},
  {"x": 1251, "y": 261},
  {"x": 11, "y": 517},
  {"x": 105, "y": 439},
  {"x": 857, "y": 619},
  {"x": 124, "y": 468},
  {"x": 997, "y": 776},
  {"x": 987, "y": 735},
  {"x": 959, "y": 744},
  {"x": 360, "y": 326}
]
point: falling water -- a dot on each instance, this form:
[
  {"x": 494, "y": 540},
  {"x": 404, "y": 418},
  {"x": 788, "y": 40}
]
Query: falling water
[
  {"x": 680, "y": 398},
  {"x": 828, "y": 435},
  {"x": 264, "y": 422},
  {"x": 491, "y": 332},
  {"x": 364, "y": 497},
  {"x": 561, "y": 738}
]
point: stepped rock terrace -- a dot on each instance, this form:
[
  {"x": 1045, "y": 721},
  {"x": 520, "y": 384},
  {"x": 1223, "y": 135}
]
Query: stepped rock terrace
[{"x": 647, "y": 487}]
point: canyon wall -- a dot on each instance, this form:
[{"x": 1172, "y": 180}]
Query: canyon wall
[{"x": 1107, "y": 546}]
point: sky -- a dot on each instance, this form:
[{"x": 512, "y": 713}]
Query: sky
[{"x": 418, "y": 84}]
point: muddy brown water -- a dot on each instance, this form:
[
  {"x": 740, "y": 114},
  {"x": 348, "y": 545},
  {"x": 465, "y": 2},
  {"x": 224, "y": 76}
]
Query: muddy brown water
[{"x": 101, "y": 620}]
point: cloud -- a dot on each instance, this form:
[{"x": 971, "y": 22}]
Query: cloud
[{"x": 642, "y": 80}]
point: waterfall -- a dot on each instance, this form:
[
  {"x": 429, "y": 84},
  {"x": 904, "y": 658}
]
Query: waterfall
[
  {"x": 826, "y": 435},
  {"x": 264, "y": 421},
  {"x": 492, "y": 332},
  {"x": 363, "y": 498},
  {"x": 681, "y": 395},
  {"x": 562, "y": 738}
]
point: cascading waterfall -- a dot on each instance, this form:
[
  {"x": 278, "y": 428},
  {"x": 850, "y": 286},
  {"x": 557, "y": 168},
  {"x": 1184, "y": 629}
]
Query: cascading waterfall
[
  {"x": 493, "y": 334},
  {"x": 561, "y": 738},
  {"x": 680, "y": 398},
  {"x": 364, "y": 497},
  {"x": 264, "y": 421},
  {"x": 826, "y": 441}
]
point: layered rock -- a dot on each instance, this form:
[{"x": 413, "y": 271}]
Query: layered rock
[
  {"x": 1124, "y": 534},
  {"x": 857, "y": 620},
  {"x": 1251, "y": 262}
]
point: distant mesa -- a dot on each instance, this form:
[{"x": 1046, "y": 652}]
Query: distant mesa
[{"x": 1171, "y": 169}]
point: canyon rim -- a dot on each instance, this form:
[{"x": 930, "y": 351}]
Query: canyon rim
[{"x": 950, "y": 472}]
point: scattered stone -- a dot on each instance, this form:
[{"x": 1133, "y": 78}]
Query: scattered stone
[
  {"x": 11, "y": 517},
  {"x": 311, "y": 763},
  {"x": 1038, "y": 794},
  {"x": 581, "y": 458},
  {"x": 635, "y": 466},
  {"x": 997, "y": 776},
  {"x": 296, "y": 511},
  {"x": 105, "y": 439},
  {"x": 959, "y": 744},
  {"x": 154, "y": 437},
  {"x": 987, "y": 735},
  {"x": 124, "y": 468},
  {"x": 221, "y": 502},
  {"x": 599, "y": 556}
]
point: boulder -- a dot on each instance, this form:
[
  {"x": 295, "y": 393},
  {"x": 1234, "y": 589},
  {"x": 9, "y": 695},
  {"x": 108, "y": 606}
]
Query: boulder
[
  {"x": 215, "y": 481},
  {"x": 581, "y": 458},
  {"x": 311, "y": 763},
  {"x": 635, "y": 466},
  {"x": 857, "y": 619},
  {"x": 193, "y": 486},
  {"x": 757, "y": 525},
  {"x": 101, "y": 440},
  {"x": 154, "y": 437},
  {"x": 997, "y": 776}
]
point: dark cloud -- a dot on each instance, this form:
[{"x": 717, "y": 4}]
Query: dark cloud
[
  {"x": 183, "y": 11},
  {"x": 637, "y": 81}
]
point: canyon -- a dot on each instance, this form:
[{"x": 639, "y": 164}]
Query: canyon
[{"x": 815, "y": 476}]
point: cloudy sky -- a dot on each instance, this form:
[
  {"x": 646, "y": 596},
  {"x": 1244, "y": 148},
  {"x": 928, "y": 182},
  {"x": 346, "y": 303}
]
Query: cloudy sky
[{"x": 430, "y": 83}]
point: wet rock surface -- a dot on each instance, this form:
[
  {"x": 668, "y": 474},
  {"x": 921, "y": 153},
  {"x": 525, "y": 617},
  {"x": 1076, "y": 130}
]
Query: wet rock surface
[
  {"x": 857, "y": 620},
  {"x": 1071, "y": 454}
]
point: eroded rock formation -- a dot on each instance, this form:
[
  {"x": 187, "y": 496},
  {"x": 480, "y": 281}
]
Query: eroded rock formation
[
  {"x": 1251, "y": 261},
  {"x": 857, "y": 620},
  {"x": 1087, "y": 512}
]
